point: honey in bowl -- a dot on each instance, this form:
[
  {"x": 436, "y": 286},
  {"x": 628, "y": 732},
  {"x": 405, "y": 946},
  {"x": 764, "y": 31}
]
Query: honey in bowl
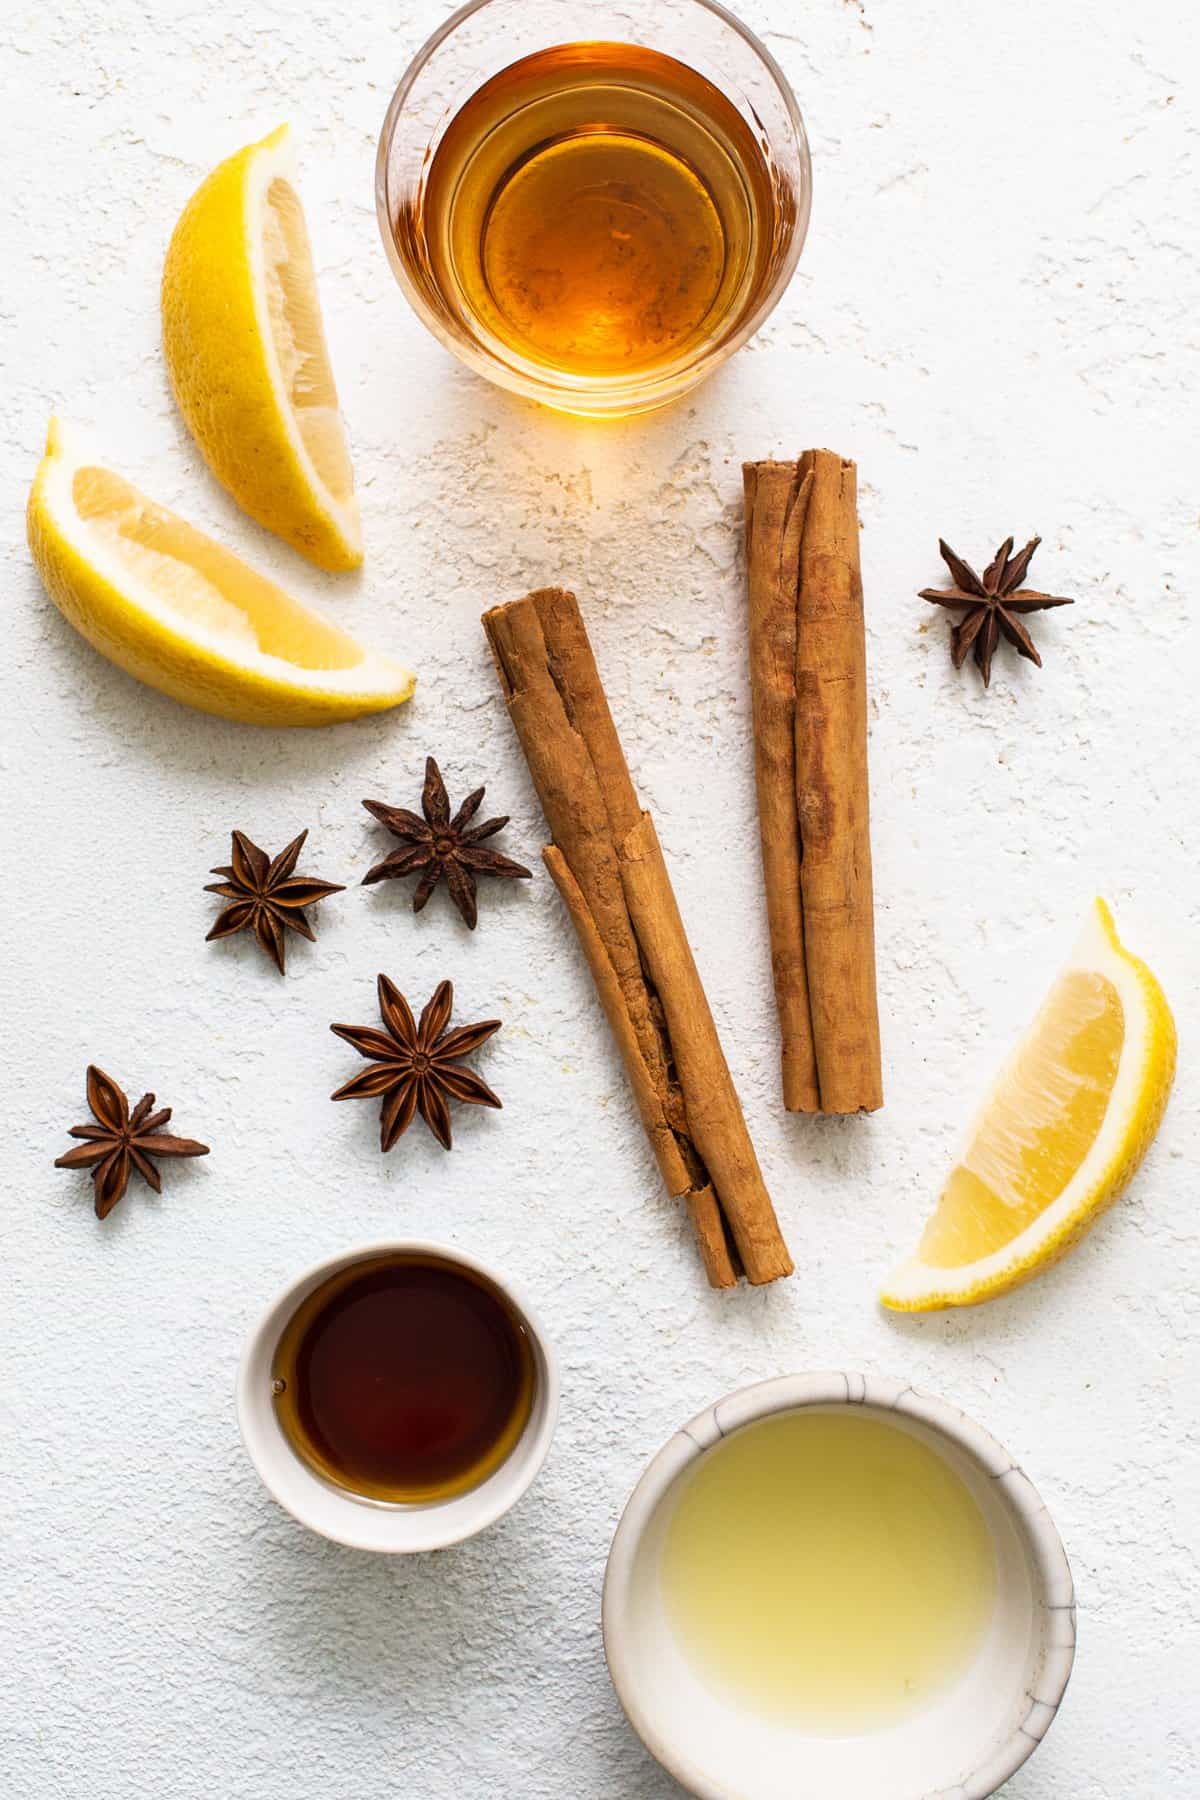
[
  {"x": 600, "y": 209},
  {"x": 829, "y": 1570},
  {"x": 404, "y": 1378}
]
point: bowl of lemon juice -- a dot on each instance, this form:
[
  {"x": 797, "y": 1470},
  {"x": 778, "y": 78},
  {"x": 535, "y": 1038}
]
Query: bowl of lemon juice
[{"x": 833, "y": 1583}]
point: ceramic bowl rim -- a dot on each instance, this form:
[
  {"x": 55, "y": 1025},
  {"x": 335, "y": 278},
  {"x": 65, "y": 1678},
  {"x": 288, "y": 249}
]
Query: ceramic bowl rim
[
  {"x": 1051, "y": 1571},
  {"x": 532, "y": 1449}
]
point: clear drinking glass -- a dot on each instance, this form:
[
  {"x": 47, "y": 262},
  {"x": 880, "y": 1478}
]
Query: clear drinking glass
[{"x": 593, "y": 204}]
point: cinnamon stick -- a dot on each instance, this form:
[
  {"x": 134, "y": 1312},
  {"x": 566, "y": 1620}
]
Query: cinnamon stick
[
  {"x": 808, "y": 680},
  {"x": 607, "y": 864}
]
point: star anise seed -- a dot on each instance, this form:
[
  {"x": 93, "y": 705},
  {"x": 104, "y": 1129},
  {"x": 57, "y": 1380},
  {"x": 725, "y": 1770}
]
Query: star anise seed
[
  {"x": 415, "y": 1068},
  {"x": 440, "y": 846},
  {"x": 992, "y": 604},
  {"x": 121, "y": 1141},
  {"x": 267, "y": 896}
]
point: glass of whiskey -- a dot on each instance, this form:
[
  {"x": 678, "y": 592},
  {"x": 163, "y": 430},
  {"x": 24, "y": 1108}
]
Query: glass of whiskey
[{"x": 593, "y": 203}]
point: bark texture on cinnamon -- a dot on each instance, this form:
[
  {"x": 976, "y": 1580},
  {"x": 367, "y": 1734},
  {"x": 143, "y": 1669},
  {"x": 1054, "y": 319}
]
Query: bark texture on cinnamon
[
  {"x": 809, "y": 686},
  {"x": 607, "y": 864}
]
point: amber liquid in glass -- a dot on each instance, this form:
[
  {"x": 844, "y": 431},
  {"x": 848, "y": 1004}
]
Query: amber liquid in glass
[
  {"x": 598, "y": 209},
  {"x": 404, "y": 1378}
]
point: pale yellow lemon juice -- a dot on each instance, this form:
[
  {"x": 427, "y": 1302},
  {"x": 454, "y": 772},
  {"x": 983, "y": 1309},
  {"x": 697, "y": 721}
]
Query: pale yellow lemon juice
[{"x": 829, "y": 1570}]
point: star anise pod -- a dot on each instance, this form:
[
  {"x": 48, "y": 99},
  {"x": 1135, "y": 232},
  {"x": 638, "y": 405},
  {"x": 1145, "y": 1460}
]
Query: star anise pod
[
  {"x": 415, "y": 1068},
  {"x": 121, "y": 1141},
  {"x": 266, "y": 895},
  {"x": 991, "y": 605},
  {"x": 439, "y": 845}
]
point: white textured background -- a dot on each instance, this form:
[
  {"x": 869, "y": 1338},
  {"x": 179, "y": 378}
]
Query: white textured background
[{"x": 996, "y": 315}]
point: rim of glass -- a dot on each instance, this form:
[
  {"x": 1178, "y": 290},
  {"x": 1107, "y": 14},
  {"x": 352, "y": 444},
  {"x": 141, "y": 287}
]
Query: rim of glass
[{"x": 605, "y": 391}]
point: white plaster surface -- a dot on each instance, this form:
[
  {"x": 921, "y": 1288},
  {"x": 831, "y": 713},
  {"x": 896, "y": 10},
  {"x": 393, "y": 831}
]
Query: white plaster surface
[{"x": 996, "y": 315}]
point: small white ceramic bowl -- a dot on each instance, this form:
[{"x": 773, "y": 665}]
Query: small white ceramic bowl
[
  {"x": 353, "y": 1519},
  {"x": 964, "y": 1745}
]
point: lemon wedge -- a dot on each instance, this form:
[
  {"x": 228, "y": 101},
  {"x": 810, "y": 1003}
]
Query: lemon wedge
[
  {"x": 177, "y": 610},
  {"x": 246, "y": 354},
  {"x": 1065, "y": 1126}
]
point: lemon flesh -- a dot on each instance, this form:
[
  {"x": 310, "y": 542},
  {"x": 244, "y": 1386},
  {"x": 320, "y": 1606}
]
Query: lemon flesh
[
  {"x": 1069, "y": 1119},
  {"x": 247, "y": 358},
  {"x": 171, "y": 606}
]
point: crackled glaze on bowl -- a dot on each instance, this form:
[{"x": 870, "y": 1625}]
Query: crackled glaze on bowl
[{"x": 1050, "y": 1602}]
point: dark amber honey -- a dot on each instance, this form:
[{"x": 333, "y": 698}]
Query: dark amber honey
[{"x": 404, "y": 1378}]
